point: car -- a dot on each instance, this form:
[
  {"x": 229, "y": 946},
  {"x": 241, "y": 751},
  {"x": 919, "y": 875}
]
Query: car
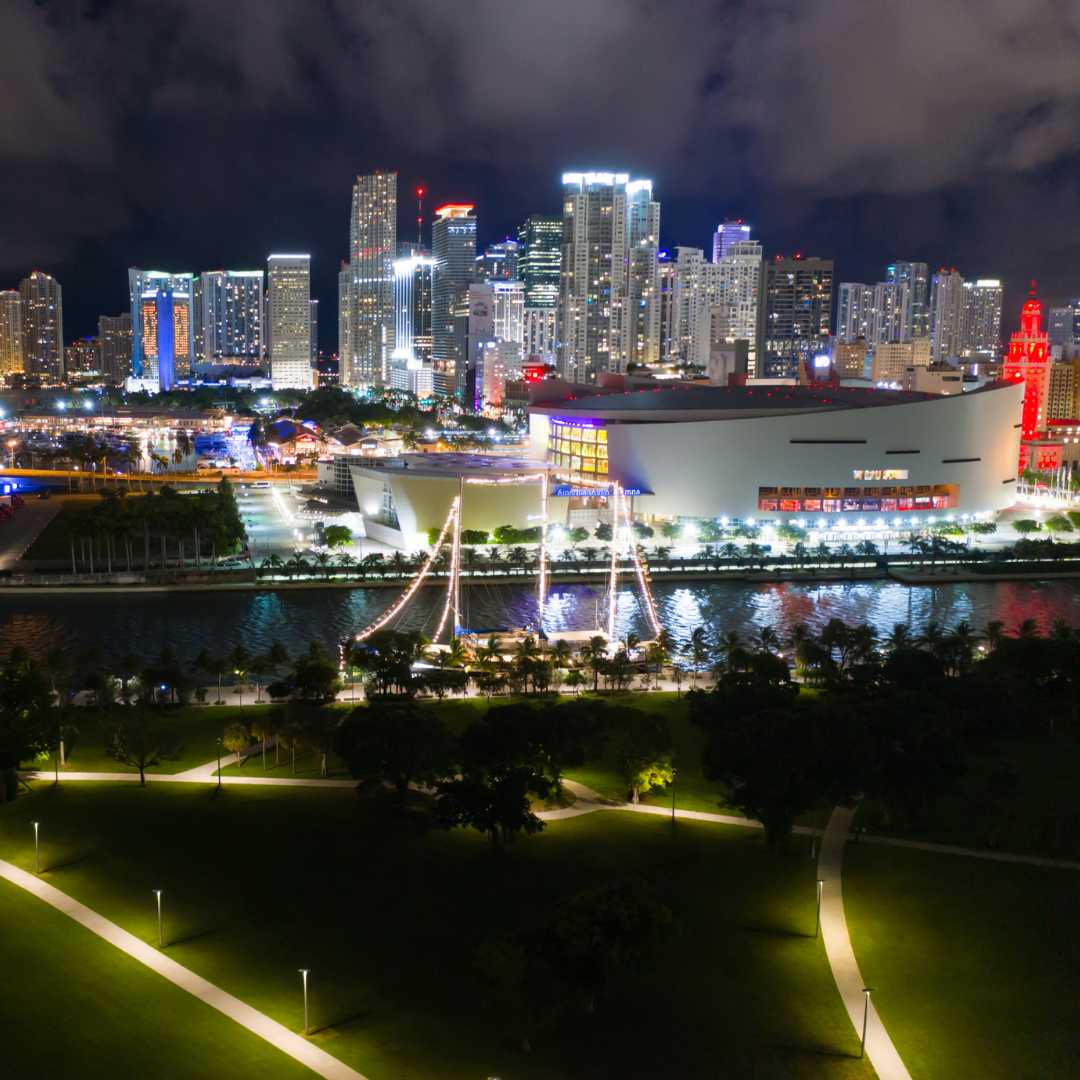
[{"x": 44, "y": 495}]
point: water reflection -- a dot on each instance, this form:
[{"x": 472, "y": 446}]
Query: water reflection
[{"x": 190, "y": 621}]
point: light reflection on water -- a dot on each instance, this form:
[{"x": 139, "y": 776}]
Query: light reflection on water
[{"x": 190, "y": 621}]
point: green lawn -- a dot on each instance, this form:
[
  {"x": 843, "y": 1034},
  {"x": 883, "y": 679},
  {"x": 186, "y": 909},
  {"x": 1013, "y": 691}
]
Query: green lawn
[
  {"x": 75, "y": 1006},
  {"x": 977, "y": 963},
  {"x": 195, "y": 730},
  {"x": 388, "y": 914},
  {"x": 1039, "y": 816}
]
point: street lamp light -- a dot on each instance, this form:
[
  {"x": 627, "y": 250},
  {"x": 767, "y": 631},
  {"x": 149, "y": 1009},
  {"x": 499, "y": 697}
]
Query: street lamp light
[
  {"x": 867, "y": 990},
  {"x": 817, "y": 928},
  {"x": 304, "y": 972},
  {"x": 160, "y": 940},
  {"x": 37, "y": 864}
]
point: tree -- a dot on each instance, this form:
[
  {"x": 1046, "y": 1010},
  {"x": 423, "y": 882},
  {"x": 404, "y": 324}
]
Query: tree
[
  {"x": 594, "y": 653},
  {"x": 493, "y": 801},
  {"x": 259, "y": 666},
  {"x": 603, "y": 532},
  {"x": 291, "y": 738},
  {"x": 777, "y": 756},
  {"x": 236, "y": 739},
  {"x": 1058, "y": 524},
  {"x": 397, "y": 743},
  {"x": 1026, "y": 526},
  {"x": 239, "y": 661},
  {"x": 337, "y": 536},
  {"x": 699, "y": 650},
  {"x": 603, "y": 933},
  {"x": 315, "y": 676},
  {"x": 140, "y": 739},
  {"x": 671, "y": 530},
  {"x": 25, "y": 707},
  {"x": 642, "y": 743},
  {"x": 263, "y": 728}
]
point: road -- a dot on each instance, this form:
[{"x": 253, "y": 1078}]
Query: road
[{"x": 23, "y": 527}]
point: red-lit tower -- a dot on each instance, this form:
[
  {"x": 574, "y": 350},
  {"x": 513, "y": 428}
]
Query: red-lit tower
[{"x": 1028, "y": 359}]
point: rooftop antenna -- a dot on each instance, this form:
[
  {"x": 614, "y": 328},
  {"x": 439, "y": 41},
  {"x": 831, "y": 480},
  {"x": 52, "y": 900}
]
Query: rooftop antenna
[{"x": 419, "y": 219}]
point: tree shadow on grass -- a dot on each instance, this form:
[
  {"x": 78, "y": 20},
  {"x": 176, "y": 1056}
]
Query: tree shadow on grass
[{"x": 776, "y": 931}]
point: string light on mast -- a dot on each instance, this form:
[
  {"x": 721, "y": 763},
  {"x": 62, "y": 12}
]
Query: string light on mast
[{"x": 411, "y": 590}]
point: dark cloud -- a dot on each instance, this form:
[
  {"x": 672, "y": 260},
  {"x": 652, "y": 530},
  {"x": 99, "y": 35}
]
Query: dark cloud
[{"x": 196, "y": 132}]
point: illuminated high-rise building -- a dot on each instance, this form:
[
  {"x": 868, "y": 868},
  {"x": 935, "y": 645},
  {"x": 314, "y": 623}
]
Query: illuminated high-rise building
[
  {"x": 980, "y": 326},
  {"x": 114, "y": 332},
  {"x": 889, "y": 313},
  {"x": 609, "y": 279},
  {"x": 11, "y": 335},
  {"x": 412, "y": 307},
  {"x": 366, "y": 289},
  {"x": 165, "y": 316},
  {"x": 728, "y": 233},
  {"x": 1028, "y": 359},
  {"x": 288, "y": 317},
  {"x": 853, "y": 306},
  {"x": 946, "y": 314},
  {"x": 539, "y": 256},
  {"x": 453, "y": 247},
  {"x": 915, "y": 276},
  {"x": 42, "y": 326},
  {"x": 1063, "y": 325},
  {"x": 499, "y": 262},
  {"x": 233, "y": 316},
  {"x": 793, "y": 316},
  {"x": 736, "y": 293},
  {"x": 141, "y": 282}
]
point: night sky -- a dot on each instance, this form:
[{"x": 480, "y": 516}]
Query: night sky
[{"x": 199, "y": 134}]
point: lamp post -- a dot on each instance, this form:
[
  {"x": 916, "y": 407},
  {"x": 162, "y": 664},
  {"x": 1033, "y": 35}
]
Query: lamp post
[
  {"x": 867, "y": 990},
  {"x": 817, "y": 928},
  {"x": 37, "y": 863},
  {"x": 672, "y": 794},
  {"x": 219, "y": 763},
  {"x": 160, "y": 940},
  {"x": 304, "y": 973}
]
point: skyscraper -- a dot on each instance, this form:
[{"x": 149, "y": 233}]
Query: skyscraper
[
  {"x": 366, "y": 290},
  {"x": 141, "y": 282},
  {"x": 539, "y": 255},
  {"x": 166, "y": 335},
  {"x": 233, "y": 315},
  {"x": 980, "y": 329},
  {"x": 288, "y": 317},
  {"x": 11, "y": 333},
  {"x": 1028, "y": 359},
  {"x": 737, "y": 289},
  {"x": 499, "y": 262},
  {"x": 946, "y": 314},
  {"x": 1063, "y": 325},
  {"x": 609, "y": 285},
  {"x": 695, "y": 295},
  {"x": 728, "y": 233},
  {"x": 114, "y": 333},
  {"x": 794, "y": 315},
  {"x": 42, "y": 326},
  {"x": 917, "y": 280},
  {"x": 854, "y": 303},
  {"x": 890, "y": 313},
  {"x": 453, "y": 246},
  {"x": 412, "y": 307}
]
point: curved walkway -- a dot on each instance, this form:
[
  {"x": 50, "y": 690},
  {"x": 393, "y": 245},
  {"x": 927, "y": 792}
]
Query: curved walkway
[
  {"x": 296, "y": 1046},
  {"x": 834, "y": 931}
]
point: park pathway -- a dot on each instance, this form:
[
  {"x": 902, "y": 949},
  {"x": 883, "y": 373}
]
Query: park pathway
[
  {"x": 296, "y": 1046},
  {"x": 834, "y": 931}
]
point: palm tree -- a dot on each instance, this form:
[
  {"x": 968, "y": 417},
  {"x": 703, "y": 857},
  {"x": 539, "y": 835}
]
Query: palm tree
[
  {"x": 728, "y": 643},
  {"x": 932, "y": 638},
  {"x": 632, "y": 641},
  {"x": 236, "y": 738},
  {"x": 345, "y": 560},
  {"x": 323, "y": 559},
  {"x": 767, "y": 640},
  {"x": 263, "y": 728},
  {"x": 518, "y": 557},
  {"x": 562, "y": 653},
  {"x": 593, "y": 653},
  {"x": 399, "y": 563},
  {"x": 273, "y": 562},
  {"x": 994, "y": 631},
  {"x": 699, "y": 649},
  {"x": 899, "y": 637},
  {"x": 259, "y": 666},
  {"x": 1027, "y": 628},
  {"x": 867, "y": 548},
  {"x": 219, "y": 666},
  {"x": 799, "y": 552},
  {"x": 291, "y": 737}
]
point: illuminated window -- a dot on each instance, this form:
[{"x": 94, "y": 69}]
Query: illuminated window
[{"x": 880, "y": 474}]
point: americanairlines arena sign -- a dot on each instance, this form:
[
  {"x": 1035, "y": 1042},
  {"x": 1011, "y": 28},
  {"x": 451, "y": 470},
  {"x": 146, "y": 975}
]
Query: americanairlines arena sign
[{"x": 590, "y": 493}]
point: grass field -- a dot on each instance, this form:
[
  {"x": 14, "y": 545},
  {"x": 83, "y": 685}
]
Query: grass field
[
  {"x": 388, "y": 915},
  {"x": 976, "y": 962},
  {"x": 195, "y": 730},
  {"x": 1039, "y": 814},
  {"x": 73, "y": 1005}
]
